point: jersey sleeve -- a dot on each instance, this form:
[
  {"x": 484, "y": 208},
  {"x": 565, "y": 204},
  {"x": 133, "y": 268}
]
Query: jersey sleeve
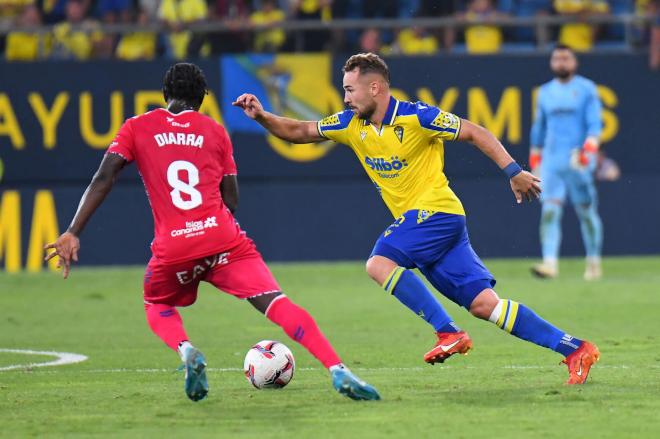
[
  {"x": 335, "y": 127},
  {"x": 226, "y": 153},
  {"x": 538, "y": 130},
  {"x": 593, "y": 112},
  {"x": 123, "y": 144},
  {"x": 439, "y": 124}
]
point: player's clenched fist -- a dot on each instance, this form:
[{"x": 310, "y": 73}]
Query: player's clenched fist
[
  {"x": 527, "y": 185},
  {"x": 250, "y": 105}
]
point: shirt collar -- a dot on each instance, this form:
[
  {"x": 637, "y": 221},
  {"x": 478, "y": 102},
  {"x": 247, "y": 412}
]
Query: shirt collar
[{"x": 390, "y": 114}]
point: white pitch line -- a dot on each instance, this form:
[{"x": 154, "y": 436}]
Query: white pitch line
[
  {"x": 62, "y": 358},
  {"x": 361, "y": 369}
]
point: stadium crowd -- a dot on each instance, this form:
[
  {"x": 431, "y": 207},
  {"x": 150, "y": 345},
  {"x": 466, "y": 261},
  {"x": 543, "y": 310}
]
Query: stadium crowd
[{"x": 254, "y": 25}]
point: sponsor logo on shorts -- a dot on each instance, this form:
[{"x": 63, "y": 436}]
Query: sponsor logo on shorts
[
  {"x": 199, "y": 270},
  {"x": 195, "y": 228}
]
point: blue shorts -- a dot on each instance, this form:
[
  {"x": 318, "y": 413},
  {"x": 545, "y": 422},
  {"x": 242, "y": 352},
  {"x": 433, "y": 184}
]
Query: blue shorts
[
  {"x": 438, "y": 245},
  {"x": 578, "y": 184}
]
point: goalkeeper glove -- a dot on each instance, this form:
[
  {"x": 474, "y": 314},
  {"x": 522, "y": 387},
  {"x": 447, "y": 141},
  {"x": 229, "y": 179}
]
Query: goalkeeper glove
[
  {"x": 534, "y": 158},
  {"x": 585, "y": 155}
]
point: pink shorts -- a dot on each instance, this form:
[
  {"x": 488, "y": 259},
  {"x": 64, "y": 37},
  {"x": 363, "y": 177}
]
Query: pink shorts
[{"x": 240, "y": 272}]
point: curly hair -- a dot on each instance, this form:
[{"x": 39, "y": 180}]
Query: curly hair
[
  {"x": 367, "y": 63},
  {"x": 185, "y": 82}
]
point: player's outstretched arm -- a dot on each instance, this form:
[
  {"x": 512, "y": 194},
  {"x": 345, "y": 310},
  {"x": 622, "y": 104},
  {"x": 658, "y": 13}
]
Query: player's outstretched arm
[
  {"x": 523, "y": 183},
  {"x": 291, "y": 130},
  {"x": 68, "y": 244}
]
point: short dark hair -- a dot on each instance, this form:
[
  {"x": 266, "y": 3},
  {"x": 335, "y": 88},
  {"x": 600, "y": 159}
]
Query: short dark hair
[
  {"x": 367, "y": 63},
  {"x": 564, "y": 47},
  {"x": 186, "y": 82}
]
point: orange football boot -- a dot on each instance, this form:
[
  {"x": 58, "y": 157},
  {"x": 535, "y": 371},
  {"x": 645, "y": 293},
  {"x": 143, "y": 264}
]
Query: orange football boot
[
  {"x": 448, "y": 344},
  {"x": 579, "y": 362}
]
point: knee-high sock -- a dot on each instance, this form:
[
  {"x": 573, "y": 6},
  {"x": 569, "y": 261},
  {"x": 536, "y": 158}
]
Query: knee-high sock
[
  {"x": 592, "y": 229},
  {"x": 301, "y": 327},
  {"x": 411, "y": 291},
  {"x": 550, "y": 230},
  {"x": 166, "y": 323},
  {"x": 524, "y": 323}
]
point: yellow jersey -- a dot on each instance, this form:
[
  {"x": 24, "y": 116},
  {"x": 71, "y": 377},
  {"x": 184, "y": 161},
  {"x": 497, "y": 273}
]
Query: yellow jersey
[{"x": 405, "y": 157}]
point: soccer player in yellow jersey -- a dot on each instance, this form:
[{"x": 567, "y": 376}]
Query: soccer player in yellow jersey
[{"x": 401, "y": 147}]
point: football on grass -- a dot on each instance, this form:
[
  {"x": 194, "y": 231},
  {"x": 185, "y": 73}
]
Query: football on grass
[{"x": 269, "y": 365}]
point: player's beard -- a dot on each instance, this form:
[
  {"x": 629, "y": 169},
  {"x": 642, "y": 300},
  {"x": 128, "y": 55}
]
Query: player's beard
[
  {"x": 563, "y": 74},
  {"x": 367, "y": 112}
]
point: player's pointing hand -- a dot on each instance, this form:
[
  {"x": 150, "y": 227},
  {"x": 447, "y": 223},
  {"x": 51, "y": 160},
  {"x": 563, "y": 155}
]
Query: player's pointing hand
[
  {"x": 66, "y": 247},
  {"x": 525, "y": 184},
  {"x": 250, "y": 105}
]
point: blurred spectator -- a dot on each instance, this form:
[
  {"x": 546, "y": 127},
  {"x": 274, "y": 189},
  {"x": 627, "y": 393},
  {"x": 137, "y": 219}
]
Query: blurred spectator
[
  {"x": 641, "y": 31},
  {"x": 115, "y": 11},
  {"x": 178, "y": 14},
  {"x": 482, "y": 38},
  {"x": 370, "y": 41},
  {"x": 233, "y": 13},
  {"x": 654, "y": 50},
  {"x": 54, "y": 11},
  {"x": 380, "y": 8},
  {"x": 139, "y": 45},
  {"x": 76, "y": 37},
  {"x": 315, "y": 40},
  {"x": 112, "y": 11},
  {"x": 579, "y": 36},
  {"x": 271, "y": 37},
  {"x": 525, "y": 9},
  {"x": 27, "y": 46},
  {"x": 10, "y": 10},
  {"x": 416, "y": 41},
  {"x": 150, "y": 8},
  {"x": 444, "y": 8}
]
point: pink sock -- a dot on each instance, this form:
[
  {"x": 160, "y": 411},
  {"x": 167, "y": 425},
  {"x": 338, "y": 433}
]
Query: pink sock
[
  {"x": 300, "y": 326},
  {"x": 166, "y": 323}
]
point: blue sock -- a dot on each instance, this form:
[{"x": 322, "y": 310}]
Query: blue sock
[
  {"x": 592, "y": 229},
  {"x": 551, "y": 214},
  {"x": 411, "y": 291},
  {"x": 524, "y": 323}
]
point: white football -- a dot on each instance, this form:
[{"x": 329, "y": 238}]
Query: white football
[{"x": 269, "y": 364}]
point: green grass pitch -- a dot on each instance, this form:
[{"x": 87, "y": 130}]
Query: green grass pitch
[{"x": 505, "y": 388}]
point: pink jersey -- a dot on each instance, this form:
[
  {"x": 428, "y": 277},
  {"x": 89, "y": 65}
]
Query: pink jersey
[{"x": 182, "y": 159}]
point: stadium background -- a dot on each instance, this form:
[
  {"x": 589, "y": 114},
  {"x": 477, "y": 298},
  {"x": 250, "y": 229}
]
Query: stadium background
[{"x": 312, "y": 202}]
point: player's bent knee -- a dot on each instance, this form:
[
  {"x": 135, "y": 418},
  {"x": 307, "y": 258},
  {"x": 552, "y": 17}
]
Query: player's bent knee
[
  {"x": 379, "y": 268},
  {"x": 483, "y": 305}
]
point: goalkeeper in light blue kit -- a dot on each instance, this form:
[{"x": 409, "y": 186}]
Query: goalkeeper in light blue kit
[{"x": 565, "y": 141}]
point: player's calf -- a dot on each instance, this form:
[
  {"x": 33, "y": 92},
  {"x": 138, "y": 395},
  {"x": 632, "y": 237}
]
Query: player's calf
[
  {"x": 520, "y": 321},
  {"x": 298, "y": 324}
]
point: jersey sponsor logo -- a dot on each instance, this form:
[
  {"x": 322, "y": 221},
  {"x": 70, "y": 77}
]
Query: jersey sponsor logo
[
  {"x": 180, "y": 139},
  {"x": 384, "y": 167},
  {"x": 199, "y": 270},
  {"x": 174, "y": 123},
  {"x": 195, "y": 228}
]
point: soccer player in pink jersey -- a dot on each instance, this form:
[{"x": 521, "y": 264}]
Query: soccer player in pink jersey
[{"x": 187, "y": 166}]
